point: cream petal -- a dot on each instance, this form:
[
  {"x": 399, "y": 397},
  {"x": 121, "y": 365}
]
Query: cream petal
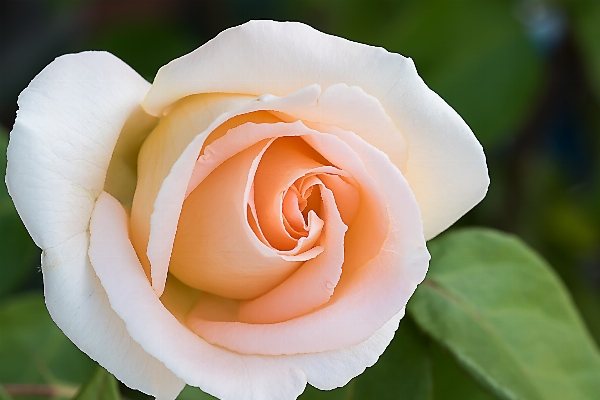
[
  {"x": 164, "y": 146},
  {"x": 121, "y": 176},
  {"x": 352, "y": 109},
  {"x": 70, "y": 117},
  {"x": 350, "y": 362},
  {"x": 215, "y": 249},
  {"x": 222, "y": 373},
  {"x": 68, "y": 123},
  {"x": 445, "y": 166},
  {"x": 371, "y": 292},
  {"x": 168, "y": 168},
  {"x": 311, "y": 285}
]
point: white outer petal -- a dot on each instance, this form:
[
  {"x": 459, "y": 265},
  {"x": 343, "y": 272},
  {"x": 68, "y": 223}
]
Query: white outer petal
[
  {"x": 78, "y": 304},
  {"x": 220, "y": 372},
  {"x": 68, "y": 123},
  {"x": 446, "y": 166}
]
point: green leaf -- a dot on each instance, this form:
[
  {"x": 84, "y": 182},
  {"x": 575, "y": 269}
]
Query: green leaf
[
  {"x": 100, "y": 386},
  {"x": 404, "y": 370},
  {"x": 33, "y": 350},
  {"x": 19, "y": 254},
  {"x": 506, "y": 317}
]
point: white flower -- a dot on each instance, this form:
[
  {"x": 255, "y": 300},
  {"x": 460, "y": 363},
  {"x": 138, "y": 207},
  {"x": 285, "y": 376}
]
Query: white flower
[{"x": 286, "y": 184}]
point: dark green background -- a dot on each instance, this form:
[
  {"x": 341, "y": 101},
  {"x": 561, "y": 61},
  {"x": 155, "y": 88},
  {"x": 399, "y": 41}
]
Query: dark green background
[{"x": 524, "y": 74}]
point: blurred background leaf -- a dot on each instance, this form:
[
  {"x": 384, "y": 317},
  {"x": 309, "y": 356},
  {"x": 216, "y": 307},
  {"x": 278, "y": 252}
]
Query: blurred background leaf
[
  {"x": 134, "y": 42},
  {"x": 586, "y": 18},
  {"x": 100, "y": 386},
  {"x": 33, "y": 350},
  {"x": 18, "y": 253}
]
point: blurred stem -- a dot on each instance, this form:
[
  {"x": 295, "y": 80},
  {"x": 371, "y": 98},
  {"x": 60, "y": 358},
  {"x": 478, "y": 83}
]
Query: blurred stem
[{"x": 26, "y": 389}]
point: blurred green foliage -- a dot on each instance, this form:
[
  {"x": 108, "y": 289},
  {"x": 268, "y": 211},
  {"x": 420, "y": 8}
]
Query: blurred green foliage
[
  {"x": 101, "y": 386},
  {"x": 492, "y": 320},
  {"x": 17, "y": 250},
  {"x": 33, "y": 350},
  {"x": 133, "y": 42},
  {"x": 586, "y": 15}
]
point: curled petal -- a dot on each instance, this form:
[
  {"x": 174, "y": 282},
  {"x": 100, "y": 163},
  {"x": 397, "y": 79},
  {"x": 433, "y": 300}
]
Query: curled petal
[
  {"x": 445, "y": 164},
  {"x": 373, "y": 290},
  {"x": 312, "y": 285},
  {"x": 158, "y": 156},
  {"x": 305, "y": 244},
  {"x": 287, "y": 160},
  {"x": 215, "y": 249},
  {"x": 169, "y": 170},
  {"x": 217, "y": 371}
]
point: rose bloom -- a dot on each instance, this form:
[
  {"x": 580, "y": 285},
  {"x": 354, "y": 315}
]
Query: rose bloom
[{"x": 252, "y": 221}]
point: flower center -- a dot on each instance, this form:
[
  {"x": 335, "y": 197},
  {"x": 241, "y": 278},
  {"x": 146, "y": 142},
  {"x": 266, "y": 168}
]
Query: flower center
[{"x": 276, "y": 186}]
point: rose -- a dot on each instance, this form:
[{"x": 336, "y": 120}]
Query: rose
[{"x": 274, "y": 228}]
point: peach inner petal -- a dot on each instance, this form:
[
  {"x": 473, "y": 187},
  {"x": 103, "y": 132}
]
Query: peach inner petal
[
  {"x": 212, "y": 251},
  {"x": 203, "y": 260},
  {"x": 160, "y": 152},
  {"x": 167, "y": 162},
  {"x": 346, "y": 195},
  {"x": 292, "y": 214},
  {"x": 314, "y": 228},
  {"x": 354, "y": 196},
  {"x": 370, "y": 223},
  {"x": 284, "y": 162},
  {"x": 377, "y": 264},
  {"x": 312, "y": 285},
  {"x": 257, "y": 117}
]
